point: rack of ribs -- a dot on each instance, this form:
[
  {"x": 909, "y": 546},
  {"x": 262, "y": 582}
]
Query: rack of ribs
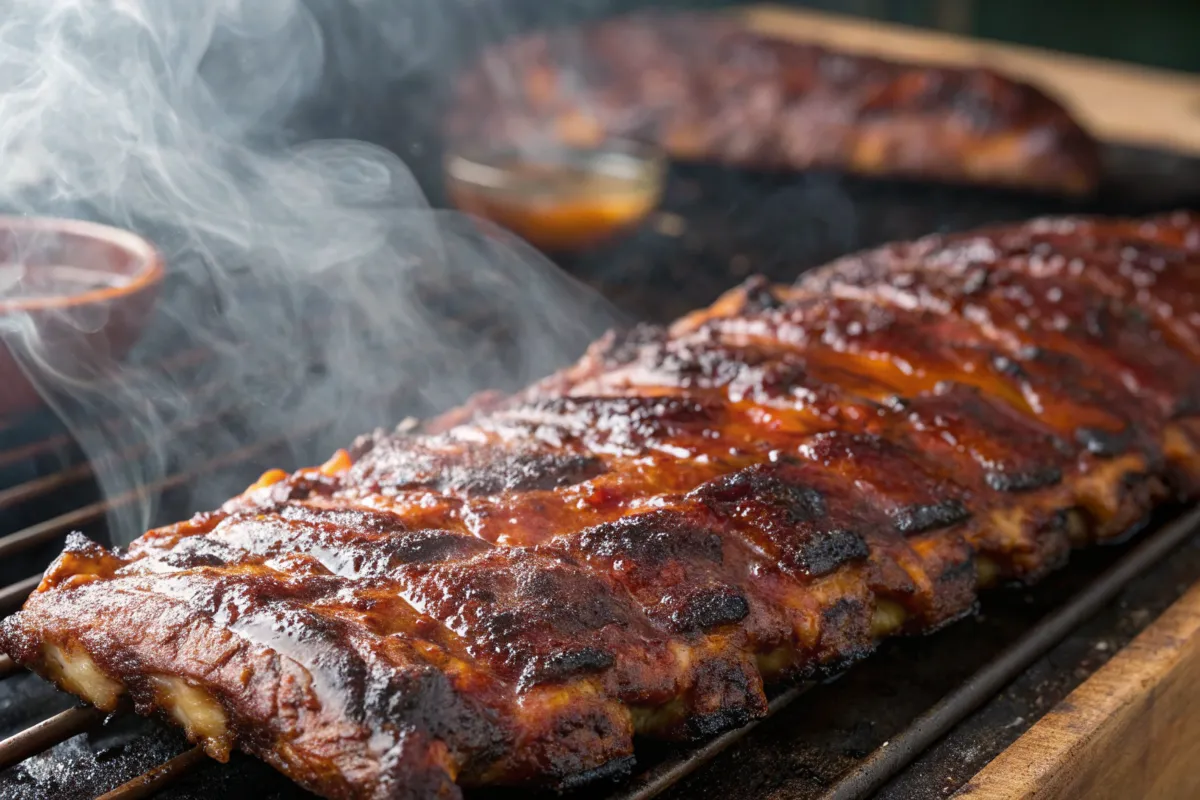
[
  {"x": 705, "y": 88},
  {"x": 639, "y": 544}
]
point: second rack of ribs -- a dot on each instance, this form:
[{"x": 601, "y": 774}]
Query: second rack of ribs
[{"x": 638, "y": 544}]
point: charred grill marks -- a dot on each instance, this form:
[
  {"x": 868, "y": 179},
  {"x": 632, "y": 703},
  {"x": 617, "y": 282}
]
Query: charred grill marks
[
  {"x": 1103, "y": 443},
  {"x": 927, "y": 517},
  {"x": 484, "y": 472},
  {"x": 1023, "y": 481}
]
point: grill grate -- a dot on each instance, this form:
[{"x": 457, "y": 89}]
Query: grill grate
[
  {"x": 61, "y": 478},
  {"x": 778, "y": 225},
  {"x": 46, "y": 734},
  {"x": 148, "y": 783}
]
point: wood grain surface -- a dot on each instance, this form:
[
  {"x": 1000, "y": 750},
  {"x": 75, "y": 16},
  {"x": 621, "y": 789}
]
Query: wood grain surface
[
  {"x": 1120, "y": 103},
  {"x": 1132, "y": 730}
]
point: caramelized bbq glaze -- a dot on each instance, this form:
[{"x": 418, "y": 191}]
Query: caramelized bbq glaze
[
  {"x": 705, "y": 88},
  {"x": 639, "y": 544}
]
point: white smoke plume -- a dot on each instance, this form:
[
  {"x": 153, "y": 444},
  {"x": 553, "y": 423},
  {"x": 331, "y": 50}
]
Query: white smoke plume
[{"x": 326, "y": 294}]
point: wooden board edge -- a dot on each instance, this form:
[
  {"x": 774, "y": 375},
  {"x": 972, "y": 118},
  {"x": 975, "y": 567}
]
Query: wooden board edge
[
  {"x": 1130, "y": 730},
  {"x": 1117, "y": 102}
]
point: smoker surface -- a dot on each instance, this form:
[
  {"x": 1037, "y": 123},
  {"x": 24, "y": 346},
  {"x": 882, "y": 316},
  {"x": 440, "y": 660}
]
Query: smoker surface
[
  {"x": 638, "y": 544},
  {"x": 707, "y": 89}
]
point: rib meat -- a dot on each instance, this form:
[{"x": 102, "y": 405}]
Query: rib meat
[
  {"x": 707, "y": 89},
  {"x": 638, "y": 544}
]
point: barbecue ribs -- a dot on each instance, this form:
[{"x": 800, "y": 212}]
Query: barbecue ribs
[
  {"x": 636, "y": 545},
  {"x": 707, "y": 89}
]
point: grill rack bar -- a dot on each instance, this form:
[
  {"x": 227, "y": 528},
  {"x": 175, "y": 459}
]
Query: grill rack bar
[
  {"x": 25, "y": 452},
  {"x": 63, "y": 439},
  {"x": 669, "y": 772},
  {"x": 13, "y": 595},
  {"x": 56, "y": 526},
  {"x": 83, "y": 469},
  {"x": 36, "y": 487},
  {"x": 47, "y": 734},
  {"x": 153, "y": 780}
]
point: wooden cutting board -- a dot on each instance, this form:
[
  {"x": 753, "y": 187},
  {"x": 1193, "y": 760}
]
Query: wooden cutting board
[
  {"x": 1117, "y": 102},
  {"x": 1131, "y": 730}
]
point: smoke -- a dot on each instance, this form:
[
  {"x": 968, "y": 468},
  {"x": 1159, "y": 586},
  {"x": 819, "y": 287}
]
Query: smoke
[{"x": 311, "y": 289}]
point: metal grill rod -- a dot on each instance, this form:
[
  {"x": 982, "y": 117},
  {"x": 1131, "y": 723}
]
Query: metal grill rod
[
  {"x": 58, "y": 441},
  {"x": 23, "y": 492},
  {"x": 13, "y": 595},
  {"x": 56, "y": 526},
  {"x": 42, "y": 485},
  {"x": 665, "y": 775},
  {"x": 61, "y": 440},
  {"x": 153, "y": 780},
  {"x": 32, "y": 489},
  {"x": 47, "y": 733},
  {"x": 25, "y": 452}
]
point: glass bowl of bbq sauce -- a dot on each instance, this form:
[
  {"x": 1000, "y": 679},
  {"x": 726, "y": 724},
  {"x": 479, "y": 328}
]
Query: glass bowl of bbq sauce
[
  {"x": 560, "y": 198},
  {"x": 74, "y": 297}
]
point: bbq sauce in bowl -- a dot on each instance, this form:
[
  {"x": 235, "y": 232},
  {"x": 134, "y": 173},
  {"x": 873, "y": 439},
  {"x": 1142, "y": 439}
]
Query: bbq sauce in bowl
[{"x": 559, "y": 198}]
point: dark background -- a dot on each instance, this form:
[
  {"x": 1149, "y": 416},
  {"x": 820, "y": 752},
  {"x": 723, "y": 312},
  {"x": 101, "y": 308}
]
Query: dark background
[{"x": 1158, "y": 33}]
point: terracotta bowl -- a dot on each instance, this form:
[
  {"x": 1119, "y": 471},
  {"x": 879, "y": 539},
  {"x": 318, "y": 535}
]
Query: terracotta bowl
[{"x": 74, "y": 297}]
